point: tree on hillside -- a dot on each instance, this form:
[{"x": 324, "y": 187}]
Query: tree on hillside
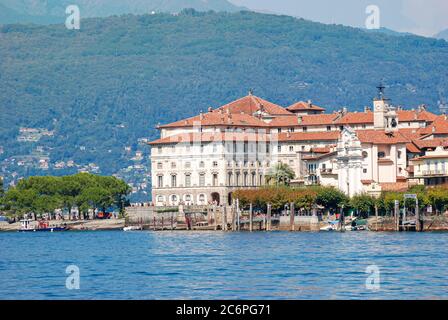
[{"x": 280, "y": 174}]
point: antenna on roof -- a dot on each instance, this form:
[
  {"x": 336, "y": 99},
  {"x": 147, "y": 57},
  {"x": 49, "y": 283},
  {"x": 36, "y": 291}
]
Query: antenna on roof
[
  {"x": 381, "y": 89},
  {"x": 251, "y": 91}
]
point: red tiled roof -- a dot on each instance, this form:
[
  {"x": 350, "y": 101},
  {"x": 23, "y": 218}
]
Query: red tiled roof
[
  {"x": 414, "y": 115},
  {"x": 251, "y": 104},
  {"x": 304, "y": 106},
  {"x": 432, "y": 143},
  {"x": 307, "y": 120},
  {"x": 211, "y": 137},
  {"x": 403, "y": 116},
  {"x": 412, "y": 148},
  {"x": 411, "y": 133},
  {"x": 218, "y": 119},
  {"x": 439, "y": 126},
  {"x": 319, "y": 156},
  {"x": 380, "y": 137},
  {"x": 356, "y": 118},
  {"x": 321, "y": 150},
  {"x": 309, "y": 136},
  {"x": 240, "y": 112}
]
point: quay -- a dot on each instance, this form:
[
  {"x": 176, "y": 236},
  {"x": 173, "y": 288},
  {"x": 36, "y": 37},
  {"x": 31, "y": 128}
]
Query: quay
[{"x": 231, "y": 218}]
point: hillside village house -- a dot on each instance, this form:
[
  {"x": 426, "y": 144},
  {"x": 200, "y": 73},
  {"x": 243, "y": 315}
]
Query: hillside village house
[{"x": 203, "y": 159}]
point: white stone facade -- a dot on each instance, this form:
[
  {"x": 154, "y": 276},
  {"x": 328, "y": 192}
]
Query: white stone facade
[{"x": 203, "y": 159}]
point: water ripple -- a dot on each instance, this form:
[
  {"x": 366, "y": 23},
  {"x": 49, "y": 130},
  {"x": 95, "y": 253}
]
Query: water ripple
[{"x": 215, "y": 265}]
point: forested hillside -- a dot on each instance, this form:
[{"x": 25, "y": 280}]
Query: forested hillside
[
  {"x": 99, "y": 89},
  {"x": 53, "y": 11}
]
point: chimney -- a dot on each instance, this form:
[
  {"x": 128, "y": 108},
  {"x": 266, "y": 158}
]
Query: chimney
[
  {"x": 310, "y": 103},
  {"x": 344, "y": 110},
  {"x": 201, "y": 116},
  {"x": 433, "y": 129},
  {"x": 367, "y": 109},
  {"x": 210, "y": 109}
]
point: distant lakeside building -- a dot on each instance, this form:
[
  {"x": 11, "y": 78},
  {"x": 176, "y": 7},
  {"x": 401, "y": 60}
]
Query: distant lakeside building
[{"x": 203, "y": 159}]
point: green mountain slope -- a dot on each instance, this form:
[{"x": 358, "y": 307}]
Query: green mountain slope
[
  {"x": 53, "y": 11},
  {"x": 105, "y": 86}
]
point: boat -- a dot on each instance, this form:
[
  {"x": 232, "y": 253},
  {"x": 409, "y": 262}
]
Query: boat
[
  {"x": 357, "y": 225},
  {"x": 132, "y": 228},
  {"x": 43, "y": 226},
  {"x": 331, "y": 226}
]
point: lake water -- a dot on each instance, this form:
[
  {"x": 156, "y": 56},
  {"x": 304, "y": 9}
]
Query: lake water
[{"x": 215, "y": 265}]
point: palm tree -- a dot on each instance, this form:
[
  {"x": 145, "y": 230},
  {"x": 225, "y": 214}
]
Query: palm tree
[{"x": 280, "y": 174}]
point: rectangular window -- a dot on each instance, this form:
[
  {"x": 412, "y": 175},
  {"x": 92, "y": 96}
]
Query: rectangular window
[
  {"x": 328, "y": 128},
  {"x": 305, "y": 129},
  {"x": 160, "y": 181},
  {"x": 202, "y": 179},
  {"x": 173, "y": 181},
  {"x": 188, "y": 180},
  {"x": 215, "y": 179}
]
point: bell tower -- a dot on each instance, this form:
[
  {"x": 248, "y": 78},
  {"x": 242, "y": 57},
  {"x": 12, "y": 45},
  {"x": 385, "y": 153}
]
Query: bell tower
[{"x": 384, "y": 114}]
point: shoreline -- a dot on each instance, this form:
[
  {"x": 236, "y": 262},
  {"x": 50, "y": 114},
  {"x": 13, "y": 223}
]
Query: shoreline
[{"x": 79, "y": 225}]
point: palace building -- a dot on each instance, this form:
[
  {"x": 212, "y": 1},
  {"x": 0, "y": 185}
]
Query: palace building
[{"x": 203, "y": 159}]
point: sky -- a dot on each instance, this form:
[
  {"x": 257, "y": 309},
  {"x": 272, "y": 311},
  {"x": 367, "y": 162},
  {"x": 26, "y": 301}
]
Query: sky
[{"x": 422, "y": 17}]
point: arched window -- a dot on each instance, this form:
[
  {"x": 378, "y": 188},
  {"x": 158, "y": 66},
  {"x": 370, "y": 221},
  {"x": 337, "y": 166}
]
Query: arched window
[{"x": 202, "y": 199}]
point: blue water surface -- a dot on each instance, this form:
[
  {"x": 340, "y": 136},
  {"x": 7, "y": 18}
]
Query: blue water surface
[{"x": 217, "y": 265}]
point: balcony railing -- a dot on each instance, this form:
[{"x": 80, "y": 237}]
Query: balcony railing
[{"x": 434, "y": 172}]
